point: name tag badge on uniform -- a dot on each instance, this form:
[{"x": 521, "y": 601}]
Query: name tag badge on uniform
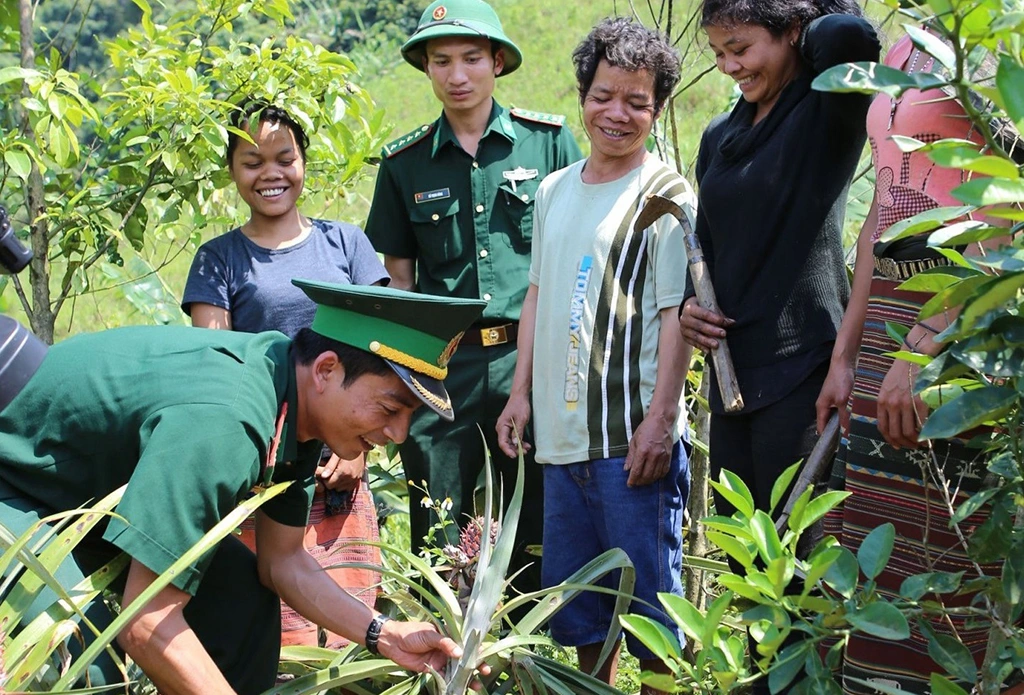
[
  {"x": 427, "y": 196},
  {"x": 519, "y": 174}
]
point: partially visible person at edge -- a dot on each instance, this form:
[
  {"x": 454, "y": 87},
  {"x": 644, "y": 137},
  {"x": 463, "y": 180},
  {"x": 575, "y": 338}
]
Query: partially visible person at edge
[
  {"x": 190, "y": 421},
  {"x": 600, "y": 349},
  {"x": 880, "y": 461},
  {"x": 453, "y": 215},
  {"x": 241, "y": 281}
]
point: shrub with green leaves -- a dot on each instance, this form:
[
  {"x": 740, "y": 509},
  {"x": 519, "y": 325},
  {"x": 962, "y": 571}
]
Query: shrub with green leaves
[{"x": 91, "y": 165}]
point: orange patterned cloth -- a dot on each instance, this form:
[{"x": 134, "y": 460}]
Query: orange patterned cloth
[{"x": 326, "y": 538}]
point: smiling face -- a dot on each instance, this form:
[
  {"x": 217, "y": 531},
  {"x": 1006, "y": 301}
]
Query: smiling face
[
  {"x": 618, "y": 113},
  {"x": 762, "y": 64},
  {"x": 462, "y": 72},
  {"x": 351, "y": 419},
  {"x": 269, "y": 174}
]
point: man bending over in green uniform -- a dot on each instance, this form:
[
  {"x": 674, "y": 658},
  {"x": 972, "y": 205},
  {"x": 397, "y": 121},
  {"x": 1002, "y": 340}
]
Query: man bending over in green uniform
[{"x": 191, "y": 421}]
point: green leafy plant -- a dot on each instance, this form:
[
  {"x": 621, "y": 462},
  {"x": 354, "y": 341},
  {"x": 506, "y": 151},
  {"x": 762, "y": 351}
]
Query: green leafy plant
[{"x": 93, "y": 168}]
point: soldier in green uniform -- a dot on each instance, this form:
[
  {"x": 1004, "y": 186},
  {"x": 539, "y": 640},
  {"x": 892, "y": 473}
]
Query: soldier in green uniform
[
  {"x": 190, "y": 421},
  {"x": 453, "y": 215}
]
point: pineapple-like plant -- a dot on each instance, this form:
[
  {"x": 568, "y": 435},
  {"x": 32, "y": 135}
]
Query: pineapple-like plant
[
  {"x": 480, "y": 622},
  {"x": 465, "y": 557}
]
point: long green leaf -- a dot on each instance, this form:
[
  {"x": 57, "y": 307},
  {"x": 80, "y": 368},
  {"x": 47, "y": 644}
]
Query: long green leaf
[
  {"x": 880, "y": 619},
  {"x": 56, "y": 551},
  {"x": 969, "y": 410},
  {"x": 28, "y": 667},
  {"x": 875, "y": 549},
  {"x": 582, "y": 683},
  {"x": 653, "y": 635},
  {"x": 82, "y": 594},
  {"x": 209, "y": 540},
  {"x": 581, "y": 580},
  {"x": 490, "y": 579},
  {"x": 924, "y": 222},
  {"x": 442, "y": 598},
  {"x": 870, "y": 78},
  {"x": 736, "y": 492},
  {"x": 781, "y": 485},
  {"x": 336, "y": 676}
]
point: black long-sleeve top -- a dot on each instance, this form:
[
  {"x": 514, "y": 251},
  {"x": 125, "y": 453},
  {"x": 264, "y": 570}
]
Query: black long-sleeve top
[{"x": 770, "y": 219}]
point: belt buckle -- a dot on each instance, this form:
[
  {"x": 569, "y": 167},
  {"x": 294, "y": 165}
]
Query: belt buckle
[{"x": 496, "y": 335}]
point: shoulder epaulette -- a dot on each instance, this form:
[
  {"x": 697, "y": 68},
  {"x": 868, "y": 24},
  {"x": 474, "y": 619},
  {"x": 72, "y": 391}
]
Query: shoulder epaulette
[
  {"x": 554, "y": 119},
  {"x": 407, "y": 140}
]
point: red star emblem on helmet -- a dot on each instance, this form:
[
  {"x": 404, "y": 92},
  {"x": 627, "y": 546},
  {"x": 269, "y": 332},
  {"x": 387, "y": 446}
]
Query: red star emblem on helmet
[{"x": 439, "y": 13}]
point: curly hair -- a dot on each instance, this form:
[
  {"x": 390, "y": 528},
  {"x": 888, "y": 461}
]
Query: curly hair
[
  {"x": 268, "y": 113},
  {"x": 777, "y": 16},
  {"x": 630, "y": 46}
]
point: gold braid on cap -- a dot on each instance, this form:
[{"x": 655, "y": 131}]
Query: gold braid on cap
[
  {"x": 431, "y": 398},
  {"x": 407, "y": 360}
]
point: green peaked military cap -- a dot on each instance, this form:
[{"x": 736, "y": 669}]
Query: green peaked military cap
[
  {"x": 416, "y": 334},
  {"x": 474, "y": 18}
]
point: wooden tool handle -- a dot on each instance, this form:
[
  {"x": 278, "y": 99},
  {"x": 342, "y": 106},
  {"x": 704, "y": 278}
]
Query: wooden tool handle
[
  {"x": 814, "y": 467},
  {"x": 728, "y": 385}
]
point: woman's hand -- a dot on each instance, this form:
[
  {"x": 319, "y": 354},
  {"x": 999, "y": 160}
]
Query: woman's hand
[
  {"x": 835, "y": 393},
  {"x": 700, "y": 327},
  {"x": 341, "y": 474},
  {"x": 900, "y": 413}
]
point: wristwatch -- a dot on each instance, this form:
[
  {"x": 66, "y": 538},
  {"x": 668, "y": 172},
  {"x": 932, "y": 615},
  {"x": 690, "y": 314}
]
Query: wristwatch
[{"x": 373, "y": 633}]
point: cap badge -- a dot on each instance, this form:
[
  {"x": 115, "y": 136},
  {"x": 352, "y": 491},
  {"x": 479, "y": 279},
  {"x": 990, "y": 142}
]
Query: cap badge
[
  {"x": 446, "y": 355},
  {"x": 440, "y": 12}
]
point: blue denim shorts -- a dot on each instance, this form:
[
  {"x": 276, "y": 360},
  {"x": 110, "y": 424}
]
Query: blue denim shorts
[{"x": 589, "y": 509}]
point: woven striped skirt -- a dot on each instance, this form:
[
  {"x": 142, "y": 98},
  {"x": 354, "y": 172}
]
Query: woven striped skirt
[{"x": 901, "y": 487}]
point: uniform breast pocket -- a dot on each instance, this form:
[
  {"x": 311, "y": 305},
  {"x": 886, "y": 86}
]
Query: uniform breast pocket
[
  {"x": 518, "y": 205},
  {"x": 437, "y": 231}
]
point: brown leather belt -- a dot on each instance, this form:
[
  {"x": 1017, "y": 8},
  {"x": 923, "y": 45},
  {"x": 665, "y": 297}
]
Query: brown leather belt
[{"x": 491, "y": 335}]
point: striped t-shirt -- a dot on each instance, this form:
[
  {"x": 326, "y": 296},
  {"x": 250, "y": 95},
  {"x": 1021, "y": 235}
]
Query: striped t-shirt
[{"x": 601, "y": 285}]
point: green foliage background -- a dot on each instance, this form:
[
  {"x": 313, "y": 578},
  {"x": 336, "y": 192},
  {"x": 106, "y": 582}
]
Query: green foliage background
[{"x": 371, "y": 33}]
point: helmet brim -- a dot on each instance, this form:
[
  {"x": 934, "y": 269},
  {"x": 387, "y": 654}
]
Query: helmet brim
[{"x": 414, "y": 50}]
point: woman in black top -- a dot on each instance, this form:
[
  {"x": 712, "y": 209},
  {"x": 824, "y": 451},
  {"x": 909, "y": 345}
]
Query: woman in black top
[{"x": 773, "y": 177}]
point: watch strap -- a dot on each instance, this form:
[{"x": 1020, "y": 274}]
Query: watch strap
[{"x": 373, "y": 633}]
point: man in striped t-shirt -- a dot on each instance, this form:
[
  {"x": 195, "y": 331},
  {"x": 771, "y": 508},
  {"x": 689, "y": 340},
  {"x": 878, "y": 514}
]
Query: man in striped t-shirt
[{"x": 599, "y": 346}]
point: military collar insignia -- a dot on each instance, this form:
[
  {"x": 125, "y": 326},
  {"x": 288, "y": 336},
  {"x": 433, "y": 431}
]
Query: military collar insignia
[
  {"x": 439, "y": 13},
  {"x": 519, "y": 174},
  {"x": 537, "y": 117},
  {"x": 406, "y": 141}
]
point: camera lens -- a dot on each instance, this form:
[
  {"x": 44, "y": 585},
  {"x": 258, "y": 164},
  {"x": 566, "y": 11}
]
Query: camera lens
[{"x": 13, "y": 254}]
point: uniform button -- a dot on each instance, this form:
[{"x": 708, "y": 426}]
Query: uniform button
[
  {"x": 476, "y": 165},
  {"x": 524, "y": 197},
  {"x": 435, "y": 217},
  {"x": 487, "y": 297},
  {"x": 480, "y": 208},
  {"x": 483, "y": 253}
]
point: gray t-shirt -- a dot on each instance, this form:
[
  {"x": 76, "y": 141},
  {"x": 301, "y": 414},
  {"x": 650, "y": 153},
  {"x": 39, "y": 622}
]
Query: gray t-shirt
[{"x": 255, "y": 284}]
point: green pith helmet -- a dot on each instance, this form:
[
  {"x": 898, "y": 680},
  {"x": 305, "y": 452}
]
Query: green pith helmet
[
  {"x": 416, "y": 334},
  {"x": 473, "y": 18}
]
